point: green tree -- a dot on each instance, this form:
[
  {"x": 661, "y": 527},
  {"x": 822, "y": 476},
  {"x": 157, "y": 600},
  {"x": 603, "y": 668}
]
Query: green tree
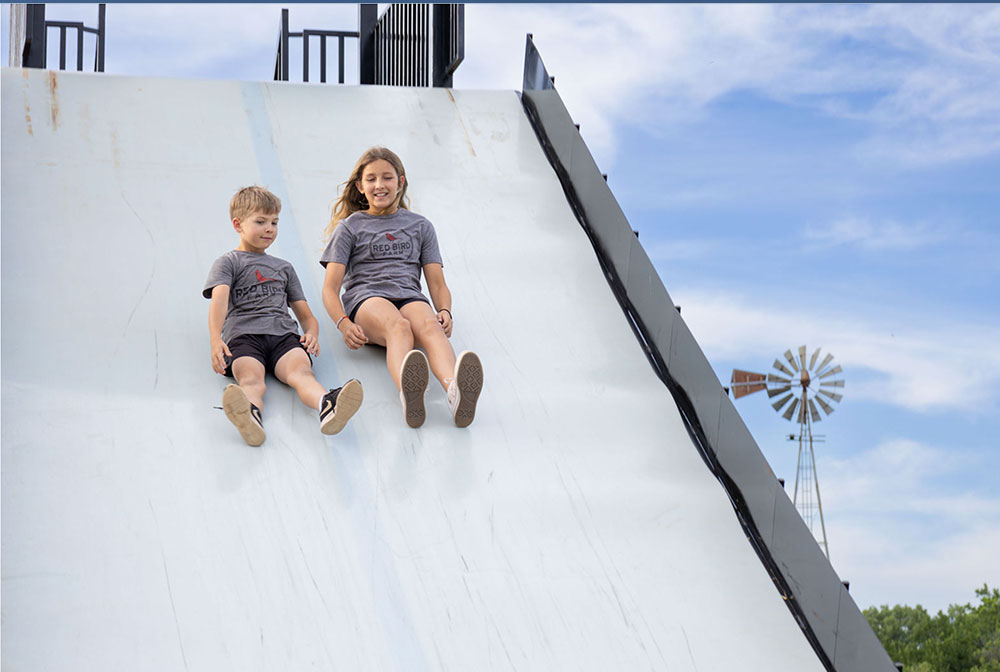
[{"x": 963, "y": 639}]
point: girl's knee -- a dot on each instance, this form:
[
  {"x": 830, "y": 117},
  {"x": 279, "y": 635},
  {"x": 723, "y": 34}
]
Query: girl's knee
[
  {"x": 401, "y": 328},
  {"x": 427, "y": 327}
]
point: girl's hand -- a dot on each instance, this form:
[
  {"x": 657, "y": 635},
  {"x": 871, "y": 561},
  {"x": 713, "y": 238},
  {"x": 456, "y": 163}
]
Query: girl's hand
[
  {"x": 311, "y": 342},
  {"x": 444, "y": 319},
  {"x": 219, "y": 353},
  {"x": 354, "y": 336}
]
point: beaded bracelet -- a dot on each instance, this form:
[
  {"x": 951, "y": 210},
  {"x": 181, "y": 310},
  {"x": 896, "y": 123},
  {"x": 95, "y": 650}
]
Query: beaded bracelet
[{"x": 343, "y": 317}]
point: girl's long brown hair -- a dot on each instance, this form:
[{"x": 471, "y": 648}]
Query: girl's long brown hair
[{"x": 352, "y": 200}]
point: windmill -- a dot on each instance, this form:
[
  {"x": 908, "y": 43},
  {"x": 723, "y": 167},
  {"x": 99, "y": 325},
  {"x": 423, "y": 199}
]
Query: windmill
[{"x": 809, "y": 388}]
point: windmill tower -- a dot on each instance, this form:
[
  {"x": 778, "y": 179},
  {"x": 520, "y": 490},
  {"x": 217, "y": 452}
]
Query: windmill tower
[{"x": 806, "y": 386}]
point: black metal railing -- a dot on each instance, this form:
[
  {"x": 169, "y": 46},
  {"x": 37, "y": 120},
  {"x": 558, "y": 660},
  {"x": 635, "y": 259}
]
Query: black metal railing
[
  {"x": 408, "y": 45},
  {"x": 281, "y": 62},
  {"x": 34, "y": 39}
]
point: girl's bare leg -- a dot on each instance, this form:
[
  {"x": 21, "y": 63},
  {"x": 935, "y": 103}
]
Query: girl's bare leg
[
  {"x": 428, "y": 334},
  {"x": 385, "y": 326}
]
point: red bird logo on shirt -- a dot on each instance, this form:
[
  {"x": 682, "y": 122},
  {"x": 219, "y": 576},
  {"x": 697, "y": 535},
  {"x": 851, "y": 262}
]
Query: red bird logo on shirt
[
  {"x": 261, "y": 278},
  {"x": 390, "y": 237}
]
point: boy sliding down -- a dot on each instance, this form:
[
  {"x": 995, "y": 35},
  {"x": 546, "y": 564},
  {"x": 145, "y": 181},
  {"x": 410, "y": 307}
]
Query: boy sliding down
[{"x": 251, "y": 332}]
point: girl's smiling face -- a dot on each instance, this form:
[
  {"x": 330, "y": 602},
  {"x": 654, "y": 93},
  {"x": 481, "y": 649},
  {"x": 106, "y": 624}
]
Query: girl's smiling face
[{"x": 381, "y": 185}]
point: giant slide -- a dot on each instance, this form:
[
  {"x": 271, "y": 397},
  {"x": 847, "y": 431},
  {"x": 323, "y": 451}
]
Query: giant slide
[{"x": 594, "y": 517}]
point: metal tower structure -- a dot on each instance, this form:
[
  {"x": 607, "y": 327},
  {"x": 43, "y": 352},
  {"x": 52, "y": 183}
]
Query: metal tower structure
[{"x": 807, "y": 386}]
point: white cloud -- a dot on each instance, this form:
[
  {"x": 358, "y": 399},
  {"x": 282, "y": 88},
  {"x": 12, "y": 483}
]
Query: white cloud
[
  {"x": 906, "y": 533},
  {"x": 941, "y": 364},
  {"x": 872, "y": 235},
  {"x": 924, "y": 77}
]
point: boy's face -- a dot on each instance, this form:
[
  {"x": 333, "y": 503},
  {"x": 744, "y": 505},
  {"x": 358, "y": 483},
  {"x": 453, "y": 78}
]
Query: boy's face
[{"x": 257, "y": 231}]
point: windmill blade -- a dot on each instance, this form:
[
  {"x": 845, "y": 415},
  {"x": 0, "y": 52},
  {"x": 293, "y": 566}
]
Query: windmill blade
[
  {"x": 813, "y": 412},
  {"x": 771, "y": 378},
  {"x": 833, "y": 383},
  {"x": 831, "y": 395},
  {"x": 826, "y": 360},
  {"x": 832, "y": 371},
  {"x": 826, "y": 407},
  {"x": 787, "y": 415},
  {"x": 781, "y": 367},
  {"x": 746, "y": 382},
  {"x": 802, "y": 355},
  {"x": 781, "y": 402},
  {"x": 812, "y": 362},
  {"x": 791, "y": 360},
  {"x": 778, "y": 390},
  {"x": 802, "y": 413}
]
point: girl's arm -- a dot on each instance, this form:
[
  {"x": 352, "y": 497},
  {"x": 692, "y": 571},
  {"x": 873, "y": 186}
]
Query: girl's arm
[
  {"x": 216, "y": 317},
  {"x": 309, "y": 324},
  {"x": 354, "y": 335},
  {"x": 440, "y": 295}
]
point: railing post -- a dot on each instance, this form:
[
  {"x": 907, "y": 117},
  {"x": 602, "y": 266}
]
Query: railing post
[
  {"x": 33, "y": 53},
  {"x": 367, "y": 18},
  {"x": 284, "y": 45},
  {"x": 101, "y": 25},
  {"x": 449, "y": 42}
]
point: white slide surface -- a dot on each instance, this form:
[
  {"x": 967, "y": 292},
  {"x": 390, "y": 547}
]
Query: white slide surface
[{"x": 573, "y": 526}]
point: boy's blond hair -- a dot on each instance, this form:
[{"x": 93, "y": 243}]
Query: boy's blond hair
[{"x": 249, "y": 200}]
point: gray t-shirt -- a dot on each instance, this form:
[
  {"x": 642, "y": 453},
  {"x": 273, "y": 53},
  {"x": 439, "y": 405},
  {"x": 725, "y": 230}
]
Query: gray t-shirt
[
  {"x": 384, "y": 255},
  {"x": 260, "y": 289}
]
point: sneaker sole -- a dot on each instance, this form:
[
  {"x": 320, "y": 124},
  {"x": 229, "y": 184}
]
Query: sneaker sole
[
  {"x": 469, "y": 380},
  {"x": 348, "y": 402},
  {"x": 237, "y": 408},
  {"x": 413, "y": 381}
]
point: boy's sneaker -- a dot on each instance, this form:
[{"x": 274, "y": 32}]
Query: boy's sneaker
[
  {"x": 464, "y": 389},
  {"x": 414, "y": 375},
  {"x": 243, "y": 414},
  {"x": 339, "y": 405}
]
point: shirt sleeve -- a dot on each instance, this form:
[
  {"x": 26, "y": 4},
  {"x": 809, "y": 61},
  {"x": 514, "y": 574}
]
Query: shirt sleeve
[
  {"x": 340, "y": 247},
  {"x": 221, "y": 273},
  {"x": 293, "y": 288},
  {"x": 429, "y": 251}
]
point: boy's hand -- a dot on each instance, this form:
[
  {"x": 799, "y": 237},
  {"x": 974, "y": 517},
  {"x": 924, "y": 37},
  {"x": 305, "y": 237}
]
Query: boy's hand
[
  {"x": 219, "y": 353},
  {"x": 354, "y": 336},
  {"x": 444, "y": 319},
  {"x": 311, "y": 342}
]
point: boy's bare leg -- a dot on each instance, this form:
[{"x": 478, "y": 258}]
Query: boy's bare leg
[
  {"x": 239, "y": 400},
  {"x": 429, "y": 335},
  {"x": 295, "y": 370},
  {"x": 249, "y": 374},
  {"x": 385, "y": 326}
]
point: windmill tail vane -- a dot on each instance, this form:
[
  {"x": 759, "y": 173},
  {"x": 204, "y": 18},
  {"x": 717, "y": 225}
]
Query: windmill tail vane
[{"x": 798, "y": 380}]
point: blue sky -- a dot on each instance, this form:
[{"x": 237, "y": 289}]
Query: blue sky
[{"x": 826, "y": 175}]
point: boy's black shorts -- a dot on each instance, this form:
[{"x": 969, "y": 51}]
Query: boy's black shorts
[{"x": 265, "y": 348}]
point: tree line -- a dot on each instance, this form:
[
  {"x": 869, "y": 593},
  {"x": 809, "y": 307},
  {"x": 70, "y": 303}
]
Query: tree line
[{"x": 965, "y": 638}]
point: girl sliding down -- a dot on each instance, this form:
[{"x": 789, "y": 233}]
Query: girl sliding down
[{"x": 377, "y": 248}]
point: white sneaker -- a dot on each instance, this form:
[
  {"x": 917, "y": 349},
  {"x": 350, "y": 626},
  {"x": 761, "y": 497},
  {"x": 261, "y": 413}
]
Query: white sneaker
[
  {"x": 464, "y": 389},
  {"x": 414, "y": 375}
]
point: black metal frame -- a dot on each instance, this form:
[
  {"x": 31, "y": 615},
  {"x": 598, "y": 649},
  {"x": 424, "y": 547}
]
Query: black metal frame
[
  {"x": 408, "y": 45},
  {"x": 281, "y": 62},
  {"x": 35, "y": 51},
  {"x": 537, "y": 78}
]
